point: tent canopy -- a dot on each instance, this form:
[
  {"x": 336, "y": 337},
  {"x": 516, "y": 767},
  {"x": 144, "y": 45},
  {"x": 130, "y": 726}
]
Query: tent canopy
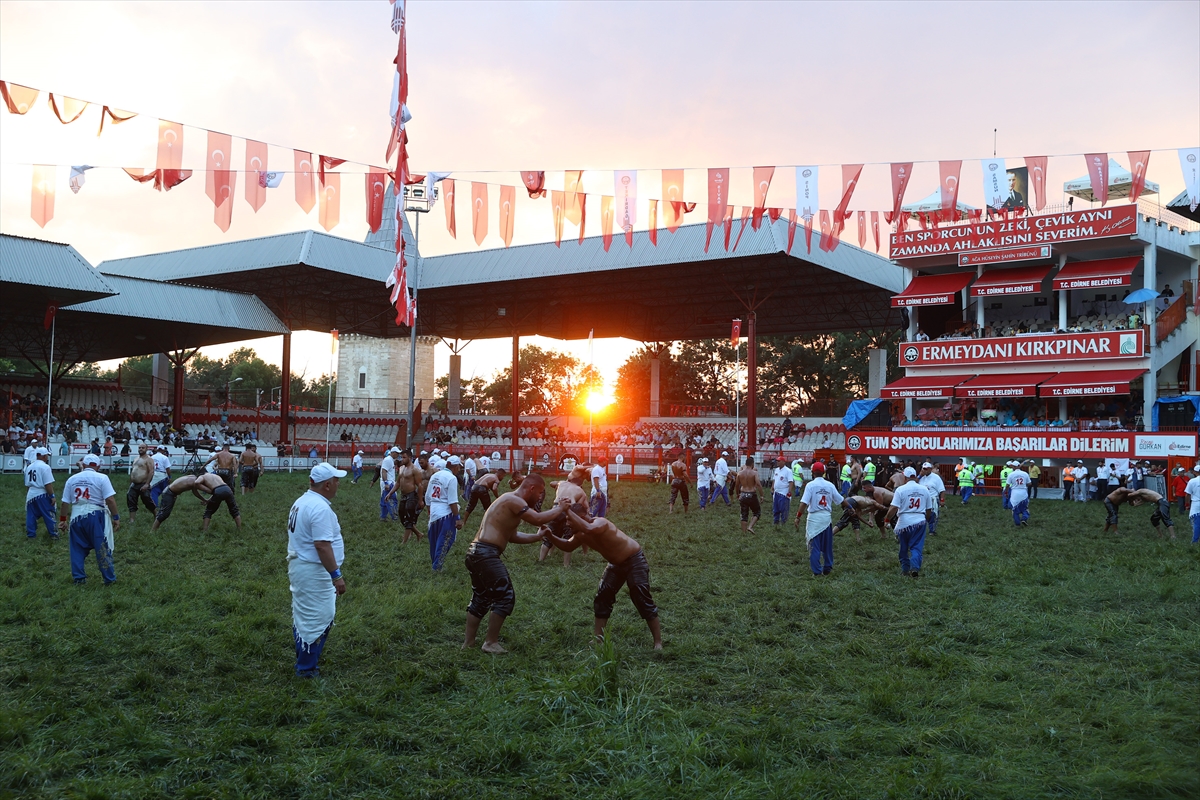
[
  {"x": 858, "y": 411},
  {"x": 1120, "y": 184}
]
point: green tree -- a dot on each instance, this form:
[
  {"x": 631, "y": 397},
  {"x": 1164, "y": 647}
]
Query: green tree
[
  {"x": 473, "y": 397},
  {"x": 550, "y": 383},
  {"x": 632, "y": 389}
]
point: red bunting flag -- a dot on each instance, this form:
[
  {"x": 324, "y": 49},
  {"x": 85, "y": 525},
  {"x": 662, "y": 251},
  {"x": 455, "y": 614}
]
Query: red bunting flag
[
  {"x": 948, "y": 172},
  {"x": 901, "y": 172},
  {"x": 220, "y": 147},
  {"x": 376, "y": 188},
  {"x": 170, "y": 145},
  {"x": 746, "y": 211},
  {"x": 72, "y": 109},
  {"x": 41, "y": 206},
  {"x": 19, "y": 99},
  {"x": 328, "y": 162},
  {"x": 1097, "y": 164},
  {"x": 572, "y": 180},
  {"x": 850, "y": 174},
  {"x": 329, "y": 212},
  {"x": 581, "y": 200},
  {"x": 164, "y": 179},
  {"x": 448, "y": 201},
  {"x": 735, "y": 335},
  {"x": 606, "y": 221},
  {"x": 224, "y": 186},
  {"x": 652, "y": 231},
  {"x": 48, "y": 319},
  {"x": 762, "y": 184},
  {"x": 774, "y": 214},
  {"x": 793, "y": 217},
  {"x": 406, "y": 312},
  {"x": 508, "y": 209},
  {"x": 305, "y": 196},
  {"x": 727, "y": 222},
  {"x": 862, "y": 229},
  {"x": 1037, "y": 179},
  {"x": 535, "y": 184},
  {"x": 256, "y": 168},
  {"x": 875, "y": 228},
  {"x": 114, "y": 115},
  {"x": 479, "y": 211},
  {"x": 718, "y": 192},
  {"x": 1138, "y": 161},
  {"x": 826, "y": 231},
  {"x": 672, "y": 196},
  {"x": 558, "y": 211}
]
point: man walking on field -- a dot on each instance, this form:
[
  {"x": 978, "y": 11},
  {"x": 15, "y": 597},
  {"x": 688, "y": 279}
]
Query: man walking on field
[
  {"x": 721, "y": 479},
  {"x": 442, "y": 498},
  {"x": 819, "y": 499},
  {"x": 679, "y": 483},
  {"x": 315, "y": 555},
  {"x": 1017, "y": 485},
  {"x": 251, "y": 465},
  {"x": 910, "y": 511},
  {"x": 141, "y": 473},
  {"x": 749, "y": 489},
  {"x": 90, "y": 501},
  {"x": 932, "y": 481},
  {"x": 781, "y": 500}
]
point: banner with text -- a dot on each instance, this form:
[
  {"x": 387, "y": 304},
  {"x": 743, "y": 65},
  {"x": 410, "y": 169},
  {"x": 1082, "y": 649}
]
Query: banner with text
[
  {"x": 1030, "y": 349},
  {"x": 1008, "y": 255},
  {"x": 1074, "y": 444}
]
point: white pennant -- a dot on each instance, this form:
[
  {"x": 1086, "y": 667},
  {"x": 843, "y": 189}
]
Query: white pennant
[
  {"x": 995, "y": 182},
  {"x": 1189, "y": 160},
  {"x": 808, "y": 202},
  {"x": 625, "y": 193},
  {"x": 78, "y": 178}
]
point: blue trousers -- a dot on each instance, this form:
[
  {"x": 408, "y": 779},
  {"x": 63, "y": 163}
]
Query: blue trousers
[
  {"x": 933, "y": 520},
  {"x": 41, "y": 507},
  {"x": 845, "y": 489},
  {"x": 389, "y": 508},
  {"x": 912, "y": 545},
  {"x": 703, "y": 495},
  {"x": 307, "y": 657},
  {"x": 441, "y": 538},
  {"x": 1007, "y": 502},
  {"x": 719, "y": 490},
  {"x": 781, "y": 508},
  {"x": 357, "y": 473},
  {"x": 1021, "y": 512},
  {"x": 965, "y": 492},
  {"x": 157, "y": 489},
  {"x": 820, "y": 547},
  {"x": 87, "y": 534},
  {"x": 1196, "y": 529},
  {"x": 599, "y": 505}
]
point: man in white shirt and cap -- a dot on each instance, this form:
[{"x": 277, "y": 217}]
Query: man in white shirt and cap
[
  {"x": 720, "y": 480},
  {"x": 162, "y": 473},
  {"x": 356, "y": 464},
  {"x": 781, "y": 501},
  {"x": 90, "y": 502},
  {"x": 599, "y": 497},
  {"x": 704, "y": 479},
  {"x": 388, "y": 503},
  {"x": 819, "y": 499},
  {"x": 315, "y": 554},
  {"x": 441, "y": 495},
  {"x": 932, "y": 481},
  {"x": 39, "y": 497},
  {"x": 1018, "y": 494},
  {"x": 1083, "y": 489},
  {"x": 1193, "y": 492},
  {"x": 910, "y": 511}
]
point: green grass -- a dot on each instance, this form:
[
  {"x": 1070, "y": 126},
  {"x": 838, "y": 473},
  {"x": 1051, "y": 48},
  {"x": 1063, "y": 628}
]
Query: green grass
[{"x": 1046, "y": 662}]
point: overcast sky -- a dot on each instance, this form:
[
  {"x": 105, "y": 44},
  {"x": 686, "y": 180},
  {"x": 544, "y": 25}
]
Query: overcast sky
[{"x": 503, "y": 86}]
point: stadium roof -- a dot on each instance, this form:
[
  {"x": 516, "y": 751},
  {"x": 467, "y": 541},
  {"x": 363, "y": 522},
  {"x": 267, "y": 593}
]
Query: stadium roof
[{"x": 36, "y": 273}]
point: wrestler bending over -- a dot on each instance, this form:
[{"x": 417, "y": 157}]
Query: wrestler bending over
[{"x": 566, "y": 494}]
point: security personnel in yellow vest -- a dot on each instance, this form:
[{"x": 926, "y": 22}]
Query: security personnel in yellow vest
[
  {"x": 1004, "y": 473},
  {"x": 869, "y": 471},
  {"x": 966, "y": 482},
  {"x": 845, "y": 478}
]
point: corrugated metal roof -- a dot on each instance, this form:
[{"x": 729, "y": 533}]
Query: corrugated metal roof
[
  {"x": 190, "y": 305},
  {"x": 55, "y": 266},
  {"x": 684, "y": 246}
]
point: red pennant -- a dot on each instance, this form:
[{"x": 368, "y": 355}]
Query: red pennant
[
  {"x": 808, "y": 231},
  {"x": 976, "y": 215},
  {"x": 114, "y": 115},
  {"x": 376, "y": 188},
  {"x": 672, "y": 195},
  {"x": 224, "y": 186},
  {"x": 1037, "y": 178},
  {"x": 862, "y": 229},
  {"x": 558, "y": 211},
  {"x": 72, "y": 109},
  {"x": 328, "y": 162},
  {"x": 746, "y": 211},
  {"x": 581, "y": 200},
  {"x": 826, "y": 231},
  {"x": 727, "y": 221},
  {"x": 535, "y": 184},
  {"x": 901, "y": 172},
  {"x": 718, "y": 191},
  {"x": 850, "y": 174},
  {"x": 572, "y": 180},
  {"x": 1138, "y": 161},
  {"x": 41, "y": 206},
  {"x": 875, "y": 228},
  {"x": 256, "y": 168},
  {"x": 762, "y": 184},
  {"x": 792, "y": 218},
  {"x": 652, "y": 231},
  {"x": 48, "y": 320},
  {"x": 774, "y": 214},
  {"x": 19, "y": 99},
  {"x": 170, "y": 145},
  {"x": 305, "y": 196},
  {"x": 948, "y": 172},
  {"x": 329, "y": 211},
  {"x": 1097, "y": 164},
  {"x": 220, "y": 147},
  {"x": 164, "y": 179},
  {"x": 508, "y": 209},
  {"x": 448, "y": 201},
  {"x": 606, "y": 221},
  {"x": 479, "y": 211},
  {"x": 735, "y": 335},
  {"x": 140, "y": 175}
]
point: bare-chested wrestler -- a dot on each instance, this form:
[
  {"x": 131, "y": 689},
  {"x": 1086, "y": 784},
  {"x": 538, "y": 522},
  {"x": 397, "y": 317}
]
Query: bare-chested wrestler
[
  {"x": 141, "y": 477},
  {"x": 626, "y": 565},
  {"x": 566, "y": 493},
  {"x": 861, "y": 509},
  {"x": 226, "y": 464},
  {"x": 883, "y": 499},
  {"x": 749, "y": 489},
  {"x": 897, "y": 480},
  {"x": 491, "y": 587},
  {"x": 250, "y": 463},
  {"x": 484, "y": 488},
  {"x": 1136, "y": 497},
  {"x": 208, "y": 482},
  {"x": 679, "y": 483},
  {"x": 409, "y": 481}
]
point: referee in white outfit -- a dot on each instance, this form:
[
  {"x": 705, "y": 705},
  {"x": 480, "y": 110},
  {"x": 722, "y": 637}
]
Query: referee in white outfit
[{"x": 315, "y": 553}]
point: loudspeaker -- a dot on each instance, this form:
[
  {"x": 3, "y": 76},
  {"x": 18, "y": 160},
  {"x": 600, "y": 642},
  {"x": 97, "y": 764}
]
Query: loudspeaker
[{"x": 1177, "y": 415}]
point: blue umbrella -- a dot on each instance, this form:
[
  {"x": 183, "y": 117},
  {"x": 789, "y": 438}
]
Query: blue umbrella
[{"x": 1141, "y": 296}]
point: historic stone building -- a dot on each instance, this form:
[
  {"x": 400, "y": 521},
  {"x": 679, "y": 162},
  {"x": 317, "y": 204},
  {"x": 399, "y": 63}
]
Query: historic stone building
[{"x": 370, "y": 368}]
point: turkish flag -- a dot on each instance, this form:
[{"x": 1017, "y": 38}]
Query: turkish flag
[
  {"x": 479, "y": 211},
  {"x": 305, "y": 196},
  {"x": 727, "y": 221},
  {"x": 652, "y": 231},
  {"x": 901, "y": 172},
  {"x": 774, "y": 214},
  {"x": 672, "y": 195},
  {"x": 762, "y": 184},
  {"x": 559, "y": 213},
  {"x": 376, "y": 188},
  {"x": 508, "y": 209},
  {"x": 535, "y": 184},
  {"x": 1037, "y": 178},
  {"x": 718, "y": 192},
  {"x": 581, "y": 199},
  {"x": 1097, "y": 164},
  {"x": 735, "y": 335},
  {"x": 571, "y": 186},
  {"x": 115, "y": 115},
  {"x": 448, "y": 201},
  {"x": 875, "y": 228},
  {"x": 1138, "y": 161},
  {"x": 19, "y": 99},
  {"x": 224, "y": 186},
  {"x": 220, "y": 146},
  {"x": 949, "y": 172},
  {"x": 256, "y": 167},
  {"x": 72, "y": 109},
  {"x": 329, "y": 212},
  {"x": 328, "y": 162},
  {"x": 170, "y": 145},
  {"x": 793, "y": 217},
  {"x": 48, "y": 320},
  {"x": 41, "y": 206},
  {"x": 826, "y": 231},
  {"x": 140, "y": 175},
  {"x": 746, "y": 210},
  {"x": 164, "y": 179},
  {"x": 862, "y": 229},
  {"x": 606, "y": 221},
  {"x": 850, "y": 173}
]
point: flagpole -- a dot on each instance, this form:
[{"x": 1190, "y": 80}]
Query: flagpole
[
  {"x": 737, "y": 403},
  {"x": 329, "y": 401},
  {"x": 50, "y": 384}
]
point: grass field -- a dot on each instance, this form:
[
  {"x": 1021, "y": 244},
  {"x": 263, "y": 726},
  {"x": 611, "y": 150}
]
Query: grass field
[{"x": 1045, "y": 662}]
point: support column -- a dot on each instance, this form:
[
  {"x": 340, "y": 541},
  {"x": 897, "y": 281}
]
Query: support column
[
  {"x": 978, "y": 302},
  {"x": 751, "y": 384},
  {"x": 1063, "y": 297},
  {"x": 285, "y": 390},
  {"x": 454, "y": 390},
  {"x": 1062, "y": 409},
  {"x": 161, "y": 367},
  {"x": 1150, "y": 382},
  {"x": 516, "y": 398},
  {"x": 177, "y": 395},
  {"x": 913, "y": 324},
  {"x": 655, "y": 367}
]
